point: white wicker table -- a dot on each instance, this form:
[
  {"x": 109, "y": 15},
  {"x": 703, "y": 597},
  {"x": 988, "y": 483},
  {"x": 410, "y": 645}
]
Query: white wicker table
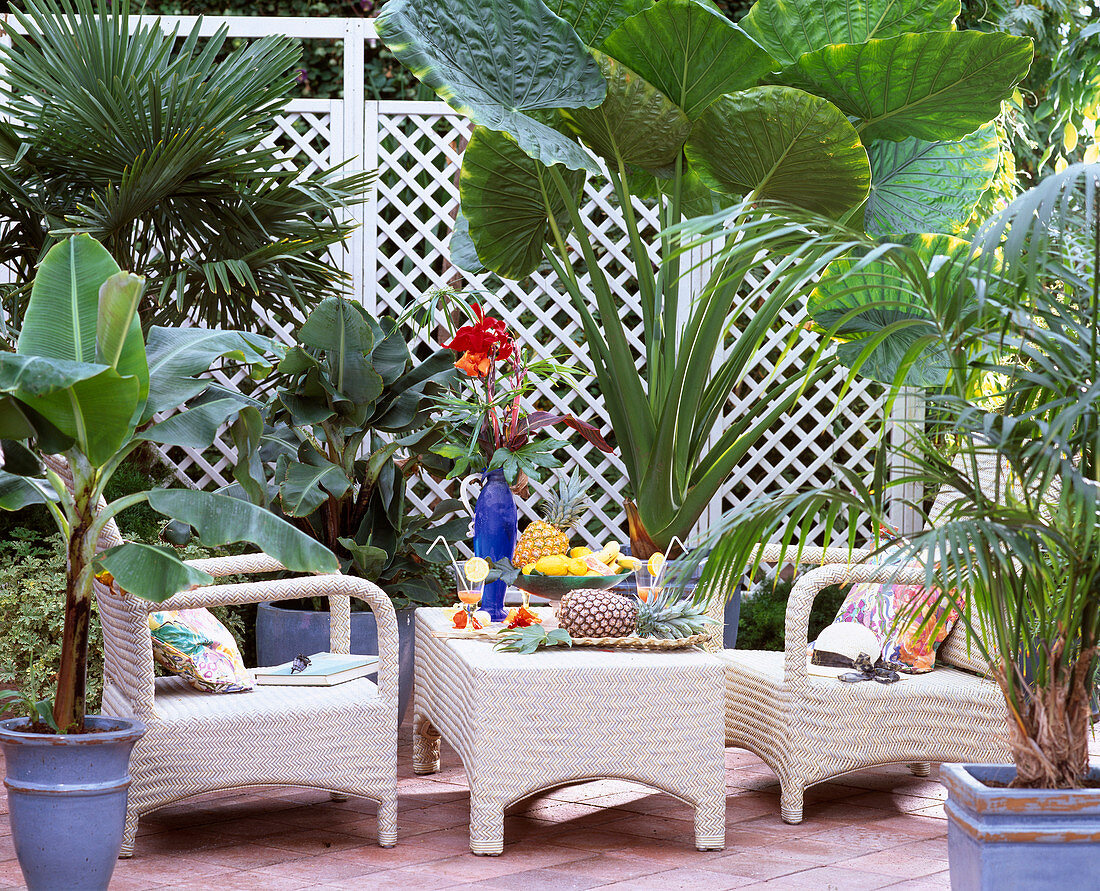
[{"x": 526, "y": 723}]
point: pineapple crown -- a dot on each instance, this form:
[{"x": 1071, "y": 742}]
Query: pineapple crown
[{"x": 564, "y": 507}]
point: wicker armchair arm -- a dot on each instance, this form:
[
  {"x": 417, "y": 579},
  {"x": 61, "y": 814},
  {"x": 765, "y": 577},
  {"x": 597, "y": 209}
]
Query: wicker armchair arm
[
  {"x": 338, "y": 588},
  {"x": 810, "y": 584},
  {"x": 243, "y": 564},
  {"x": 773, "y": 553}
]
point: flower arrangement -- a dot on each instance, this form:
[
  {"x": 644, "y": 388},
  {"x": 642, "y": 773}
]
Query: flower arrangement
[{"x": 486, "y": 424}]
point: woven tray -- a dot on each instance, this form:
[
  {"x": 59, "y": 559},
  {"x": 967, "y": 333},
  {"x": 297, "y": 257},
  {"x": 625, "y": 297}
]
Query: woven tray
[{"x": 619, "y": 643}]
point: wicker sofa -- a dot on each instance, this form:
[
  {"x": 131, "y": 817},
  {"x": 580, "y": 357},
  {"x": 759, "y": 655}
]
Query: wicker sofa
[{"x": 342, "y": 738}]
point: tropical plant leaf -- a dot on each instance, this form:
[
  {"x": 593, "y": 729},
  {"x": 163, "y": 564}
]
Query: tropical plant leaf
[
  {"x": 151, "y": 572},
  {"x": 219, "y": 519},
  {"x": 636, "y": 123},
  {"x": 497, "y": 61},
  {"x": 505, "y": 194},
  {"x": 119, "y": 341},
  {"x": 32, "y": 376},
  {"x": 689, "y": 51},
  {"x": 593, "y": 20},
  {"x": 787, "y": 30},
  {"x": 60, "y": 322},
  {"x": 461, "y": 247},
  {"x": 306, "y": 484},
  {"x": 937, "y": 85},
  {"x": 368, "y": 560},
  {"x": 861, "y": 301},
  {"x": 18, "y": 492},
  {"x": 336, "y": 327},
  {"x": 784, "y": 145},
  {"x": 919, "y": 186},
  {"x": 194, "y": 428}
]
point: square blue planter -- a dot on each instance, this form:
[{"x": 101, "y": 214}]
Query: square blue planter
[{"x": 1005, "y": 839}]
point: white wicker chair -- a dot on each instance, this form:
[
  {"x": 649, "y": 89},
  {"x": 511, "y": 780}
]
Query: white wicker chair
[
  {"x": 810, "y": 729},
  {"x": 342, "y": 739}
]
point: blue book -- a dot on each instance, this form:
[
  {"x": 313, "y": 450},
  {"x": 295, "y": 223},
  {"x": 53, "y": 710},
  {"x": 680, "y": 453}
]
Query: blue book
[{"x": 324, "y": 670}]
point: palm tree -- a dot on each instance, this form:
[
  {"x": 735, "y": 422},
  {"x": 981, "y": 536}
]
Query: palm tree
[
  {"x": 1014, "y": 324},
  {"x": 153, "y": 145}
]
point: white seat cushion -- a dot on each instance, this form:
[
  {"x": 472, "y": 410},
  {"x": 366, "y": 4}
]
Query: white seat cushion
[{"x": 177, "y": 701}]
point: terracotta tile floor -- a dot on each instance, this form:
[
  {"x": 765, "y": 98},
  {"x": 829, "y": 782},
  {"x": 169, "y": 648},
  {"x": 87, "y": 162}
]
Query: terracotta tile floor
[{"x": 875, "y": 829}]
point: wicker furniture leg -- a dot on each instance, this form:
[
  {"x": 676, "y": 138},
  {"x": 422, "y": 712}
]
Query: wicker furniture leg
[
  {"x": 920, "y": 768},
  {"x": 791, "y": 797},
  {"x": 387, "y": 820},
  {"x": 486, "y": 823},
  {"x": 425, "y": 745},
  {"x": 710, "y": 824}
]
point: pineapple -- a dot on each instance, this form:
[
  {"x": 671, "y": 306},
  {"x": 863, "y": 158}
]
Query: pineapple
[
  {"x": 591, "y": 613},
  {"x": 548, "y": 537}
]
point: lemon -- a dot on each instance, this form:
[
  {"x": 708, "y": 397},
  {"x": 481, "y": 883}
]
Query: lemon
[
  {"x": 656, "y": 563},
  {"x": 582, "y": 551},
  {"x": 477, "y": 570},
  {"x": 577, "y": 567},
  {"x": 529, "y": 568},
  {"x": 556, "y": 564}
]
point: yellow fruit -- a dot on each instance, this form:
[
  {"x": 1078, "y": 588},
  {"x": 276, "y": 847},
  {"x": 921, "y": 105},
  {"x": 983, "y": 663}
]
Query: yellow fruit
[
  {"x": 598, "y": 565},
  {"x": 529, "y": 568},
  {"x": 592, "y": 572},
  {"x": 582, "y": 551},
  {"x": 577, "y": 566},
  {"x": 555, "y": 564},
  {"x": 548, "y": 536},
  {"x": 656, "y": 562},
  {"x": 612, "y": 550},
  {"x": 477, "y": 569},
  {"x": 628, "y": 564}
]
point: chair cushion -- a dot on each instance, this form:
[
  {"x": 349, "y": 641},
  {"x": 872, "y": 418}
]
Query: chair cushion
[
  {"x": 193, "y": 644},
  {"x": 909, "y": 621},
  {"x": 177, "y": 701}
]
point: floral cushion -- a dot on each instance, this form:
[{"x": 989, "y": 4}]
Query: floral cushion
[
  {"x": 193, "y": 644},
  {"x": 896, "y": 613}
]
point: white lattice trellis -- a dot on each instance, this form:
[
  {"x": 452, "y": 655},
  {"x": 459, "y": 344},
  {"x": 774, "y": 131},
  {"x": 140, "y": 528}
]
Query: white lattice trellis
[{"x": 399, "y": 253}]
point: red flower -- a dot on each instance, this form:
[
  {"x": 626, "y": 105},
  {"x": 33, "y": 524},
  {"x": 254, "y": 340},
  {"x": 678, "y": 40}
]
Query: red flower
[
  {"x": 482, "y": 343},
  {"x": 521, "y": 618}
]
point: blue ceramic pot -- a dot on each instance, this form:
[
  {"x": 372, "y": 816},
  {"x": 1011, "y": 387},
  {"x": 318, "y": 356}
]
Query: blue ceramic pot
[
  {"x": 1033, "y": 839},
  {"x": 495, "y": 532},
  {"x": 67, "y": 800},
  {"x": 282, "y": 633}
]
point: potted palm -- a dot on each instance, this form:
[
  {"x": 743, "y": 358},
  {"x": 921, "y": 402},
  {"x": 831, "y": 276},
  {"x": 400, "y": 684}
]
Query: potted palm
[
  {"x": 1014, "y": 325},
  {"x": 84, "y": 386}
]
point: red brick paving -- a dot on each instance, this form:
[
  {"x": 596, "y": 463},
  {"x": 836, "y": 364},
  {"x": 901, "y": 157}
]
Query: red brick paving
[{"x": 876, "y": 829}]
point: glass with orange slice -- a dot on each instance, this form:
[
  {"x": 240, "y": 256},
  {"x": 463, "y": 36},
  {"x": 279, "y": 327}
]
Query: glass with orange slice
[
  {"x": 470, "y": 582},
  {"x": 649, "y": 577}
]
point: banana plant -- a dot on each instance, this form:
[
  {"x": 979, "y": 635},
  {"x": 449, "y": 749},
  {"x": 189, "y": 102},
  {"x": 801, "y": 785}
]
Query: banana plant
[
  {"x": 84, "y": 383},
  {"x": 872, "y": 112}
]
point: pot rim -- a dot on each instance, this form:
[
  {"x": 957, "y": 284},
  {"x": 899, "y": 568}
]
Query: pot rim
[
  {"x": 132, "y": 729},
  {"x": 277, "y": 605}
]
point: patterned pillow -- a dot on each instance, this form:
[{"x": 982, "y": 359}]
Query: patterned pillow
[
  {"x": 896, "y": 613},
  {"x": 193, "y": 644}
]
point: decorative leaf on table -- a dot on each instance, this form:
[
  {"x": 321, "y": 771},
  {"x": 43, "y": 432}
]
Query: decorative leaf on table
[
  {"x": 919, "y": 186},
  {"x": 499, "y": 62},
  {"x": 787, "y": 30},
  {"x": 940, "y": 85},
  {"x": 783, "y": 145},
  {"x": 534, "y": 637}
]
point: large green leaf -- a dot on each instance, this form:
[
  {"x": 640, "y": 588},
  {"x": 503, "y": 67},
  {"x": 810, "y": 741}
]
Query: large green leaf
[
  {"x": 35, "y": 376},
  {"x": 176, "y": 354},
  {"x": 636, "y": 123},
  {"x": 60, "y": 322},
  {"x": 219, "y": 519},
  {"x": 461, "y": 247},
  {"x": 18, "y": 492},
  {"x": 689, "y": 51},
  {"x": 496, "y": 61},
  {"x": 784, "y": 145},
  {"x": 593, "y": 20},
  {"x": 939, "y": 85},
  {"x": 119, "y": 341},
  {"x": 305, "y": 485},
  {"x": 504, "y": 194},
  {"x": 919, "y": 186},
  {"x": 860, "y": 302},
  {"x": 195, "y": 428},
  {"x": 151, "y": 572},
  {"x": 788, "y": 29}
]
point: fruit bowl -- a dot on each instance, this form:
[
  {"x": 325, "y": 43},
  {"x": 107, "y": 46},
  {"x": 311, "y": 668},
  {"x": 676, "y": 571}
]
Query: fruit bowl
[{"x": 557, "y": 585}]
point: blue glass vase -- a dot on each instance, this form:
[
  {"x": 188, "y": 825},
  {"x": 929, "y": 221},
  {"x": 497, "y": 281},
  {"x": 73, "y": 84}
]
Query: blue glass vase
[{"x": 495, "y": 532}]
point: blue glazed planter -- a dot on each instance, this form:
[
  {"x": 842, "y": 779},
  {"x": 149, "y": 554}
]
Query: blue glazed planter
[
  {"x": 495, "y": 532},
  {"x": 67, "y": 800},
  {"x": 282, "y": 633},
  {"x": 1008, "y": 839}
]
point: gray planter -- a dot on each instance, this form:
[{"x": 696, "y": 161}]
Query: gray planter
[
  {"x": 67, "y": 800},
  {"x": 282, "y": 633},
  {"x": 1032, "y": 839}
]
